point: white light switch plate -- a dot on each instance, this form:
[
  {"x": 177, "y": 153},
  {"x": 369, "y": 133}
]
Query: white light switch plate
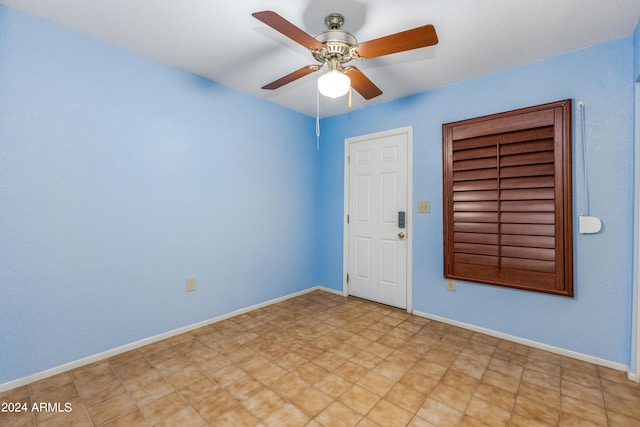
[{"x": 424, "y": 206}]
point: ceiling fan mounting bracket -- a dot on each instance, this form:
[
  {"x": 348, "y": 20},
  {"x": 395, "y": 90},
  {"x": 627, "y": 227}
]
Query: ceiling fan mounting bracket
[{"x": 334, "y": 21}]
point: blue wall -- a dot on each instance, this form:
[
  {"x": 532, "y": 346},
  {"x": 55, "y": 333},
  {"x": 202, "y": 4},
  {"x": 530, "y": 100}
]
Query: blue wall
[
  {"x": 635, "y": 314},
  {"x": 119, "y": 177},
  {"x": 636, "y": 55},
  {"x": 597, "y": 321}
]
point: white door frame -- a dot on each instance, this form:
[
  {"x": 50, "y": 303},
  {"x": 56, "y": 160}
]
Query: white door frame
[{"x": 407, "y": 130}]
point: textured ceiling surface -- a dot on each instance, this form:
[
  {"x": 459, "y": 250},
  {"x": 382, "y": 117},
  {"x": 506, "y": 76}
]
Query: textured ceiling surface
[{"x": 220, "y": 40}]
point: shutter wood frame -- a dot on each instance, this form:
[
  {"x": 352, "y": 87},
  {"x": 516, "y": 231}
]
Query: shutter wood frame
[{"x": 507, "y": 199}]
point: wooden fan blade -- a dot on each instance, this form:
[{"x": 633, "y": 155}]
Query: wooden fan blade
[
  {"x": 292, "y": 77},
  {"x": 399, "y": 42},
  {"x": 285, "y": 27},
  {"x": 362, "y": 84}
]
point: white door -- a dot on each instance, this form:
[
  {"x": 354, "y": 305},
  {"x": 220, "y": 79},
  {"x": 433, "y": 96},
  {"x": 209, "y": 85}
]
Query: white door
[{"x": 377, "y": 247}]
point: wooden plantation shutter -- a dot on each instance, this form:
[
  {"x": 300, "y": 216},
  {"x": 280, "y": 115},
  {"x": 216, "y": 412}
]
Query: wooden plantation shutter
[{"x": 507, "y": 199}]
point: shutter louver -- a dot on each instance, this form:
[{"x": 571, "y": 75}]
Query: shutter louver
[{"x": 506, "y": 207}]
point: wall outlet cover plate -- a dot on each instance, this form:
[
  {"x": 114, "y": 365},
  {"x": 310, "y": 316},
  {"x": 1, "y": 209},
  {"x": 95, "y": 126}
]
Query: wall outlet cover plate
[{"x": 191, "y": 283}]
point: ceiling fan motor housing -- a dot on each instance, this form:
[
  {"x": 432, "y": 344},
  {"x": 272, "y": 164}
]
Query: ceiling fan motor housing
[{"x": 337, "y": 42}]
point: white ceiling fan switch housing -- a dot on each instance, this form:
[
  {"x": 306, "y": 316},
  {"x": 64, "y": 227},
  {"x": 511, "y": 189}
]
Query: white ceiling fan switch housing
[{"x": 589, "y": 224}]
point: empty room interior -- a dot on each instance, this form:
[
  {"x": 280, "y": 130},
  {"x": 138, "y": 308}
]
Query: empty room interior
[{"x": 429, "y": 217}]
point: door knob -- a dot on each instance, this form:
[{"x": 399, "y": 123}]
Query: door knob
[{"x": 401, "y": 235}]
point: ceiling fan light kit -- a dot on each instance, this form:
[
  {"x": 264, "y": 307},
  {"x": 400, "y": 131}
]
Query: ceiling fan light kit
[
  {"x": 334, "y": 83},
  {"x": 335, "y": 47}
]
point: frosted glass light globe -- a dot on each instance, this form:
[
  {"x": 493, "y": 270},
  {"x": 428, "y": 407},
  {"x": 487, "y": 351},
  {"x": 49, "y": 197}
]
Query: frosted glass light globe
[{"x": 334, "y": 84}]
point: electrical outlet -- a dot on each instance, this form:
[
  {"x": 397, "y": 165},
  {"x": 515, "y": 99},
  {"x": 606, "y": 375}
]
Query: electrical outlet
[
  {"x": 424, "y": 206},
  {"x": 451, "y": 284},
  {"x": 191, "y": 283}
]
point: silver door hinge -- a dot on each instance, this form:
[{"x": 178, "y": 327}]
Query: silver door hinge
[{"x": 347, "y": 277}]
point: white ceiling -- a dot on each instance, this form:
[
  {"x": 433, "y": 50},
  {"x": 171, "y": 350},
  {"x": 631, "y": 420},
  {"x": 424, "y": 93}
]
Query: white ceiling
[{"x": 220, "y": 40}]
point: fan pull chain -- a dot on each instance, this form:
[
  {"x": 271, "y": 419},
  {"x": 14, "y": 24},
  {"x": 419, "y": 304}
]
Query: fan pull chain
[
  {"x": 318, "y": 120},
  {"x": 350, "y": 96}
]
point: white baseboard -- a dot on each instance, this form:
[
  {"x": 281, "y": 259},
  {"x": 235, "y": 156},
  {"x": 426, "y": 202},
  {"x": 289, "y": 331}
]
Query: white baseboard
[
  {"x": 529, "y": 343},
  {"x": 150, "y": 340},
  {"x": 331, "y": 291}
]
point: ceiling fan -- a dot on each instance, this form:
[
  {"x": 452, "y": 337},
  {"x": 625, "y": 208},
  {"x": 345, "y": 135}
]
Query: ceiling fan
[{"x": 335, "y": 47}]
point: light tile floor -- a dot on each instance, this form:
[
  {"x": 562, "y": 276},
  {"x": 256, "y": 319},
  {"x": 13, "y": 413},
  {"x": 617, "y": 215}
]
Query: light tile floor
[{"x": 325, "y": 360}]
